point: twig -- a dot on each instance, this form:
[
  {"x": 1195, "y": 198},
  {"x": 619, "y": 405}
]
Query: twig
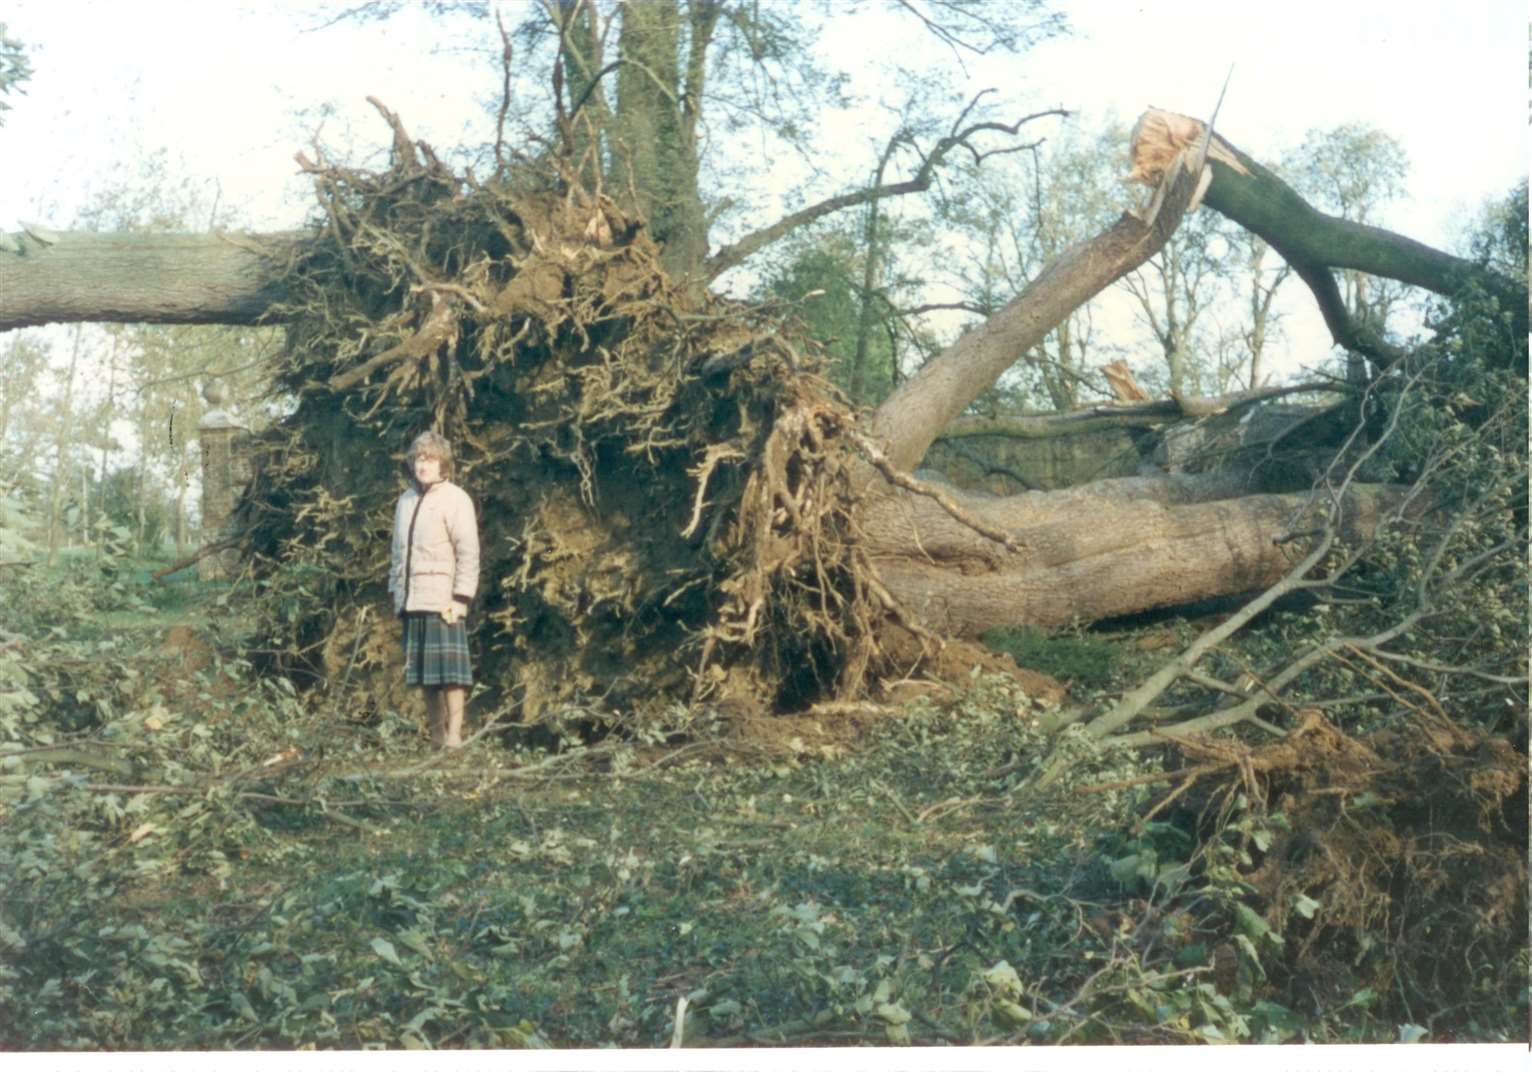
[
  {"x": 732, "y": 255},
  {"x": 67, "y": 755},
  {"x": 506, "y": 52},
  {"x": 1393, "y": 676},
  {"x": 257, "y": 796},
  {"x": 1448, "y": 669},
  {"x": 904, "y": 480},
  {"x": 1138, "y": 781},
  {"x": 894, "y": 798},
  {"x": 345, "y": 678},
  {"x": 197, "y": 556}
]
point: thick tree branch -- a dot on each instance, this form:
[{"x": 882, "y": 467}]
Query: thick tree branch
[
  {"x": 1313, "y": 242},
  {"x": 1351, "y": 334},
  {"x": 911, "y": 418},
  {"x": 142, "y": 277},
  {"x": 1113, "y": 416}
]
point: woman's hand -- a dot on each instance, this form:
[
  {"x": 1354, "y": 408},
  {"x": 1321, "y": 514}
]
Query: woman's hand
[{"x": 455, "y": 610}]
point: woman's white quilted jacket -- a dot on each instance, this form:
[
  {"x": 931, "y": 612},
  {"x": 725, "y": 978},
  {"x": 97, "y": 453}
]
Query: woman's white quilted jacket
[{"x": 435, "y": 550}]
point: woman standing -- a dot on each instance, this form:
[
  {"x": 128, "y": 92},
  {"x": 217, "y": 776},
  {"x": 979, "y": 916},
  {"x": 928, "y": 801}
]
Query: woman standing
[{"x": 433, "y": 574}]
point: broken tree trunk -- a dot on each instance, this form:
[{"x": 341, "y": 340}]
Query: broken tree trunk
[
  {"x": 918, "y": 410},
  {"x": 1312, "y": 242}
]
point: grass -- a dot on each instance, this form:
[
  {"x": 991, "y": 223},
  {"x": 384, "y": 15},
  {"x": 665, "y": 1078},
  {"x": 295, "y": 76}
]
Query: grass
[{"x": 1081, "y": 658}]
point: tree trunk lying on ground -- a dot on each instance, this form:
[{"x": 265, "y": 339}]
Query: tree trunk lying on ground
[
  {"x": 1092, "y": 552},
  {"x": 140, "y": 277},
  {"x": 1115, "y": 416}
]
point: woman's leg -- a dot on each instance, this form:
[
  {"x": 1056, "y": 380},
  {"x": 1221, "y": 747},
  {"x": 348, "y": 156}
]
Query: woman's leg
[
  {"x": 455, "y": 697},
  {"x": 436, "y": 714}
]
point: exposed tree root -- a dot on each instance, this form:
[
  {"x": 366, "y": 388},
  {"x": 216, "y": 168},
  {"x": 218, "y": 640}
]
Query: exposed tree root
[
  {"x": 664, "y": 484},
  {"x": 1410, "y": 844}
]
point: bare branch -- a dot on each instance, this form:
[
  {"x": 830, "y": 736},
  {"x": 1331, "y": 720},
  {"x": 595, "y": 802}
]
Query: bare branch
[
  {"x": 1450, "y": 669},
  {"x": 901, "y": 479},
  {"x": 1107, "y": 416},
  {"x": 732, "y": 255},
  {"x": 506, "y": 53},
  {"x": 983, "y": 311}
]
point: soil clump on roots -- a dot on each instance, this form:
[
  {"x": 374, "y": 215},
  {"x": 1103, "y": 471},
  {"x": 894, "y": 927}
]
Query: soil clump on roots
[
  {"x": 662, "y": 480},
  {"x": 1396, "y": 864}
]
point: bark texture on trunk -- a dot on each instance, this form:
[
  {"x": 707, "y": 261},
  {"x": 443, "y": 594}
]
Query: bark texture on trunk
[
  {"x": 1105, "y": 549},
  {"x": 141, "y": 277}
]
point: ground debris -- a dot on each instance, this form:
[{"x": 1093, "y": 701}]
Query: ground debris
[{"x": 1400, "y": 861}]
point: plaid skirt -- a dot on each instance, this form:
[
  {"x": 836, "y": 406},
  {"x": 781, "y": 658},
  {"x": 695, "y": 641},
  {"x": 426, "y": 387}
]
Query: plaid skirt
[{"x": 435, "y": 654}]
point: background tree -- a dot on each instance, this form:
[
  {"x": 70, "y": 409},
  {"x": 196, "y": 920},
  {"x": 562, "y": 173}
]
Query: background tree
[
  {"x": 1354, "y": 172},
  {"x": 750, "y": 77},
  {"x": 1174, "y": 292},
  {"x": 66, "y": 459},
  {"x": 1258, "y": 281},
  {"x": 165, "y": 407},
  {"x": 824, "y": 279},
  {"x": 23, "y": 360},
  {"x": 15, "y": 69},
  {"x": 1026, "y": 211}
]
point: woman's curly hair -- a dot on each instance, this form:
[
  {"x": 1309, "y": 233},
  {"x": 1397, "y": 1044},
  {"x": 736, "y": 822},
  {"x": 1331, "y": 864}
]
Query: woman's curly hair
[{"x": 432, "y": 445}]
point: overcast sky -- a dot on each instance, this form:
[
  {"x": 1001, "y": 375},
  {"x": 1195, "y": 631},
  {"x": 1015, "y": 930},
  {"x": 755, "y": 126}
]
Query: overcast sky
[{"x": 221, "y": 84}]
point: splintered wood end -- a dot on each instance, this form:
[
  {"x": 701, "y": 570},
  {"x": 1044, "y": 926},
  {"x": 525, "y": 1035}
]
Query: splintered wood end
[{"x": 1160, "y": 135}]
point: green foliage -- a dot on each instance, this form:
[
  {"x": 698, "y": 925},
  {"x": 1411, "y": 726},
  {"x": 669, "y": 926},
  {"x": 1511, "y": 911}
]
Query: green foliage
[
  {"x": 1082, "y": 657},
  {"x": 15, "y": 69},
  {"x": 16, "y": 523},
  {"x": 120, "y": 501},
  {"x": 823, "y": 279},
  {"x": 1456, "y": 416},
  {"x": 1500, "y": 241},
  {"x": 1441, "y": 590},
  {"x": 895, "y": 890}
]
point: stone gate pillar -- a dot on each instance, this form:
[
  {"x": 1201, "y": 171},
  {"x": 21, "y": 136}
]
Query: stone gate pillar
[{"x": 223, "y": 478}]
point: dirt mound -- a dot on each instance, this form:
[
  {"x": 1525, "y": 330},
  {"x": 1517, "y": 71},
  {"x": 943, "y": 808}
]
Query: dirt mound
[
  {"x": 1400, "y": 861},
  {"x": 189, "y": 653},
  {"x": 920, "y": 668}
]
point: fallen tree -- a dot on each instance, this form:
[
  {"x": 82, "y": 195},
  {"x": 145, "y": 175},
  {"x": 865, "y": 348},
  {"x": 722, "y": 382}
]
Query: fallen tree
[
  {"x": 1111, "y": 416},
  {"x": 664, "y": 476},
  {"x": 676, "y": 508}
]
